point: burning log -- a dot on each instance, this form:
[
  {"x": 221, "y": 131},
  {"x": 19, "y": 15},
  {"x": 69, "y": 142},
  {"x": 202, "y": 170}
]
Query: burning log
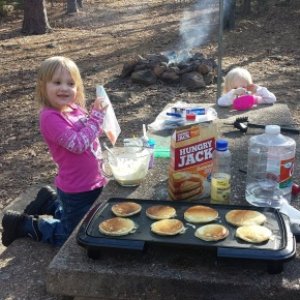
[{"x": 190, "y": 71}]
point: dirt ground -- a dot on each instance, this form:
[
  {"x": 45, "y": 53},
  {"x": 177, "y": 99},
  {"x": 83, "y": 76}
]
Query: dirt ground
[{"x": 105, "y": 35}]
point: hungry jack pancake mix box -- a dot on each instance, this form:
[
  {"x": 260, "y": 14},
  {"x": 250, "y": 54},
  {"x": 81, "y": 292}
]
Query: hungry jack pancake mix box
[{"x": 190, "y": 167}]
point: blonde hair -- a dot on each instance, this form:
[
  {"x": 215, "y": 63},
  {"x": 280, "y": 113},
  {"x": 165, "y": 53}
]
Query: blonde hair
[
  {"x": 46, "y": 72},
  {"x": 235, "y": 75}
]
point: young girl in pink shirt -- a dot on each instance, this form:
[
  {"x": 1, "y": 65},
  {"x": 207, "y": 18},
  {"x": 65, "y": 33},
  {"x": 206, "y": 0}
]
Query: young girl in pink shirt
[{"x": 71, "y": 134}]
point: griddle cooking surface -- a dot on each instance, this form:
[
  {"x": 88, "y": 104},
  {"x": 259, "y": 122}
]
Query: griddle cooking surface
[{"x": 280, "y": 246}]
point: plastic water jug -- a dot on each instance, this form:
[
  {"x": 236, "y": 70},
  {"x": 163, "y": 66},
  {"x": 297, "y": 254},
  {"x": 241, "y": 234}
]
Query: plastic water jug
[{"x": 271, "y": 158}]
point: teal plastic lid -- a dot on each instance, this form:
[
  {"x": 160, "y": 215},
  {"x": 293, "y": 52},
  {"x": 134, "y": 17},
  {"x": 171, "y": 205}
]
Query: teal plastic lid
[{"x": 151, "y": 143}]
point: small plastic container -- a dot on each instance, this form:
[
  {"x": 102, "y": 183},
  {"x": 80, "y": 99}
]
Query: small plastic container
[
  {"x": 190, "y": 117},
  {"x": 244, "y": 102},
  {"x": 162, "y": 152}
]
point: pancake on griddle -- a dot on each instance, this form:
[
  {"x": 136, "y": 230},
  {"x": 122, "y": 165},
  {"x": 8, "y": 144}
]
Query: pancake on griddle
[
  {"x": 200, "y": 214},
  {"x": 159, "y": 212},
  {"x": 254, "y": 233},
  {"x": 117, "y": 226},
  {"x": 126, "y": 209},
  {"x": 168, "y": 227},
  {"x": 212, "y": 232},
  {"x": 241, "y": 217}
]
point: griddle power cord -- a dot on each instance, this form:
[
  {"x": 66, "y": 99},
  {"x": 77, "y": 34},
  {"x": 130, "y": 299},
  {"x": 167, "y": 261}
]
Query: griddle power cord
[{"x": 242, "y": 124}]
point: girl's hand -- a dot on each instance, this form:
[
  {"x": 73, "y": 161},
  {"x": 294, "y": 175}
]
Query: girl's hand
[
  {"x": 239, "y": 91},
  {"x": 100, "y": 104},
  {"x": 252, "y": 88}
]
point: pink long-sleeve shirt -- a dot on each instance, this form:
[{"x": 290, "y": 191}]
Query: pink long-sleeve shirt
[{"x": 72, "y": 138}]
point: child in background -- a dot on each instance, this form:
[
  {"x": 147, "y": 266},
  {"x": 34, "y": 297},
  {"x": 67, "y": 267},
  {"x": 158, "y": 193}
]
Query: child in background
[
  {"x": 72, "y": 138},
  {"x": 239, "y": 82}
]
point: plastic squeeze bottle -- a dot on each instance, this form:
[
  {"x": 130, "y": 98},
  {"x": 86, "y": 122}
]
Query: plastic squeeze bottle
[
  {"x": 271, "y": 158},
  {"x": 221, "y": 173}
]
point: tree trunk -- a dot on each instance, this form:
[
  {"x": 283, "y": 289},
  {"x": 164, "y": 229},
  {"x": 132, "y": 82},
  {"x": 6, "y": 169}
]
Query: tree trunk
[
  {"x": 35, "y": 17},
  {"x": 72, "y": 6},
  {"x": 246, "y": 7},
  {"x": 79, "y": 3},
  {"x": 229, "y": 14}
]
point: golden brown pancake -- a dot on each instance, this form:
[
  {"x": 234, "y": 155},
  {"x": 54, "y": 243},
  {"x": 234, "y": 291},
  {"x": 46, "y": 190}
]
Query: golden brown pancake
[
  {"x": 200, "y": 214},
  {"x": 254, "y": 233},
  {"x": 126, "y": 209},
  {"x": 158, "y": 212},
  {"x": 168, "y": 227},
  {"x": 212, "y": 232},
  {"x": 117, "y": 226},
  {"x": 241, "y": 217}
]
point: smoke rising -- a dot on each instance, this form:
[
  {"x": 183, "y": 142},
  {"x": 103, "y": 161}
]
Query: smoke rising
[{"x": 199, "y": 24}]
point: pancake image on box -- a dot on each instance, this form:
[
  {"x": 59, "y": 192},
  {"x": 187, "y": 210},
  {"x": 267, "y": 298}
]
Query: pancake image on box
[
  {"x": 168, "y": 227},
  {"x": 184, "y": 185},
  {"x": 241, "y": 217},
  {"x": 254, "y": 233},
  {"x": 212, "y": 232},
  {"x": 200, "y": 214},
  {"x": 126, "y": 209},
  {"x": 117, "y": 226},
  {"x": 159, "y": 212}
]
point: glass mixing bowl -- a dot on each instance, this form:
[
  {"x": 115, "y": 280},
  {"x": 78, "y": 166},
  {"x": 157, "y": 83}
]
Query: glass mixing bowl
[{"x": 129, "y": 165}]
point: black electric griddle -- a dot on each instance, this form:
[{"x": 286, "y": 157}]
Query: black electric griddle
[{"x": 281, "y": 247}]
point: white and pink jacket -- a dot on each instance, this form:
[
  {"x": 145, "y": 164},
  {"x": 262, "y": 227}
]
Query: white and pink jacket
[{"x": 264, "y": 97}]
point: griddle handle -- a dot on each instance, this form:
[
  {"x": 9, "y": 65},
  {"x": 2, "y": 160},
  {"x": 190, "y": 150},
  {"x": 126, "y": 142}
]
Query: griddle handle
[{"x": 120, "y": 244}]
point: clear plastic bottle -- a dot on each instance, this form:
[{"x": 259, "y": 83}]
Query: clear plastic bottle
[
  {"x": 221, "y": 173},
  {"x": 271, "y": 158}
]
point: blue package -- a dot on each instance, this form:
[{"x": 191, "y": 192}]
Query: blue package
[
  {"x": 171, "y": 114},
  {"x": 197, "y": 111}
]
